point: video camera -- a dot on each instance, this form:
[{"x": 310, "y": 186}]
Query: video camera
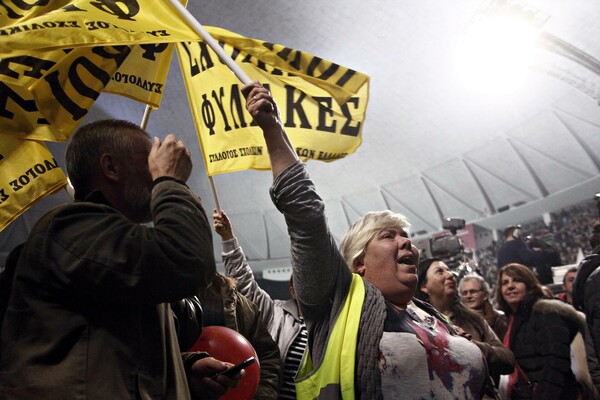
[
  {"x": 448, "y": 245},
  {"x": 453, "y": 224},
  {"x": 450, "y": 249}
]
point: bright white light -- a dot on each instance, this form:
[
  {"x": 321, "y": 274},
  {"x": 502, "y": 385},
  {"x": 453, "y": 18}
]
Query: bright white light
[{"x": 496, "y": 54}]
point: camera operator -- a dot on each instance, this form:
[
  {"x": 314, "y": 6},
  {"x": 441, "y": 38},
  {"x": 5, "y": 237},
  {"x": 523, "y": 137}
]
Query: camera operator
[
  {"x": 550, "y": 257},
  {"x": 450, "y": 249},
  {"x": 515, "y": 250}
]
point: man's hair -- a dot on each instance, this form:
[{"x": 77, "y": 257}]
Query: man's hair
[
  {"x": 520, "y": 273},
  {"x": 595, "y": 236},
  {"x": 89, "y": 142},
  {"x": 572, "y": 269},
  {"x": 509, "y": 230},
  {"x": 354, "y": 242},
  {"x": 483, "y": 285}
]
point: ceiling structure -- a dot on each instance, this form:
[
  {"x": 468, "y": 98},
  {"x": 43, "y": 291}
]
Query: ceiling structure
[{"x": 434, "y": 146}]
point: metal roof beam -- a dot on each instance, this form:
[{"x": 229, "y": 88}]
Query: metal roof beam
[{"x": 538, "y": 182}]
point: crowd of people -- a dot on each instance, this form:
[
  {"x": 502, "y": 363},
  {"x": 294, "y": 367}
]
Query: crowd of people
[
  {"x": 99, "y": 304},
  {"x": 568, "y": 232}
]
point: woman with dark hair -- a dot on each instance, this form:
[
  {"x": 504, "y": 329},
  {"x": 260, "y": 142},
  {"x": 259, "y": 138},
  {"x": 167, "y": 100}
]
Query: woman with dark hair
[
  {"x": 437, "y": 285},
  {"x": 540, "y": 332}
]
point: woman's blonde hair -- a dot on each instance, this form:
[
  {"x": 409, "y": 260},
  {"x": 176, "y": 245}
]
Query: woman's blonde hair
[{"x": 354, "y": 242}]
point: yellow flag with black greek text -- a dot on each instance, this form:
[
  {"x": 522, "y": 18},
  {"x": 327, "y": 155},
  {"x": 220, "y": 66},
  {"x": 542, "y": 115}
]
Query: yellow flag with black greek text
[
  {"x": 46, "y": 91},
  {"x": 29, "y": 172},
  {"x": 55, "y": 60},
  {"x": 45, "y": 96},
  {"x": 143, "y": 74},
  {"x": 60, "y": 24},
  {"x": 322, "y": 104}
]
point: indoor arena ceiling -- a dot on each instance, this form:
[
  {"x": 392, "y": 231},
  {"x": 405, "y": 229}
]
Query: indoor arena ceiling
[{"x": 436, "y": 141}]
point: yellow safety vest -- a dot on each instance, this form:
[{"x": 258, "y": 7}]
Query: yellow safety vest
[{"x": 334, "y": 378}]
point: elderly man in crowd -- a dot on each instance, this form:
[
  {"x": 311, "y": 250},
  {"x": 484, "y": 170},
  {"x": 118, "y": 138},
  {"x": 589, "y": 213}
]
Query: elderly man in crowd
[{"x": 475, "y": 293}]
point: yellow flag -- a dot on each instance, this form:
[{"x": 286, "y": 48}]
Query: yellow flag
[
  {"x": 143, "y": 74},
  {"x": 52, "y": 69},
  {"x": 45, "y": 96},
  {"x": 25, "y": 27},
  {"x": 340, "y": 82},
  {"x": 29, "y": 172},
  {"x": 322, "y": 104}
]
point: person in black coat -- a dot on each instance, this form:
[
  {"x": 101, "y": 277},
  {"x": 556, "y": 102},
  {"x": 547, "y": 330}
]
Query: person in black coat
[
  {"x": 515, "y": 250},
  {"x": 550, "y": 257},
  {"x": 586, "y": 298},
  {"x": 540, "y": 332}
]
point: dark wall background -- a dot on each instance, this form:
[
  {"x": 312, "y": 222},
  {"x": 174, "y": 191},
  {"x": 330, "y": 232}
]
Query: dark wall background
[{"x": 276, "y": 289}]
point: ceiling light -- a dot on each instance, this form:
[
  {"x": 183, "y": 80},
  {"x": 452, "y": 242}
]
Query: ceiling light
[{"x": 498, "y": 49}]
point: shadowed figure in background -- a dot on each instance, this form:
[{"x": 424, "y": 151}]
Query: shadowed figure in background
[
  {"x": 567, "y": 285},
  {"x": 515, "y": 250},
  {"x": 282, "y": 317},
  {"x": 586, "y": 298},
  {"x": 224, "y": 305},
  {"x": 550, "y": 257}
]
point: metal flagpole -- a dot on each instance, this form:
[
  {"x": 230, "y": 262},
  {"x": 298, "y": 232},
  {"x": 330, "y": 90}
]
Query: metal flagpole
[
  {"x": 144, "y": 124},
  {"x": 214, "y": 191},
  {"x": 226, "y": 58},
  {"x": 199, "y": 29},
  {"x": 146, "y": 117}
]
